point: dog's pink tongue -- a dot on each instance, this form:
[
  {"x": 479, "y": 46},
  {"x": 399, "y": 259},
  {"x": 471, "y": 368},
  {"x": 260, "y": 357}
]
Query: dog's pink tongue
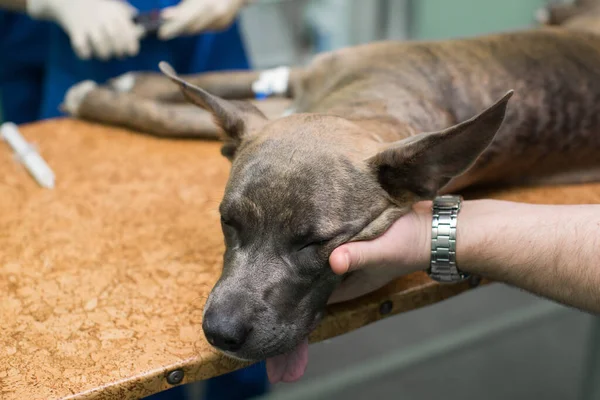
[{"x": 288, "y": 367}]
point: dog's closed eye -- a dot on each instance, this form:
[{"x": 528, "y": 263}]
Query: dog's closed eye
[
  {"x": 314, "y": 244},
  {"x": 227, "y": 221},
  {"x": 230, "y": 229}
]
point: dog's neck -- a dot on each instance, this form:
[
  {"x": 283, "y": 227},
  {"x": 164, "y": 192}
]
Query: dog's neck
[
  {"x": 383, "y": 127},
  {"x": 387, "y": 112},
  {"x": 384, "y": 122}
]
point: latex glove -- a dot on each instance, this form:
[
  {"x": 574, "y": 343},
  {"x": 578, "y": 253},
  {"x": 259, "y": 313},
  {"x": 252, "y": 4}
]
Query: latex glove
[
  {"x": 100, "y": 28},
  {"x": 194, "y": 16}
]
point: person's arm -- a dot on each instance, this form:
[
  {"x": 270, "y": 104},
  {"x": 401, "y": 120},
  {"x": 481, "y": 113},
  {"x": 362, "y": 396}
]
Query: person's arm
[
  {"x": 549, "y": 250},
  {"x": 552, "y": 251},
  {"x": 14, "y": 5}
]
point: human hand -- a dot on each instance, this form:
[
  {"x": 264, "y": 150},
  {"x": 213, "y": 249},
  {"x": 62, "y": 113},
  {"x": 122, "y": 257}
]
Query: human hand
[
  {"x": 404, "y": 248},
  {"x": 100, "y": 28},
  {"x": 194, "y": 16}
]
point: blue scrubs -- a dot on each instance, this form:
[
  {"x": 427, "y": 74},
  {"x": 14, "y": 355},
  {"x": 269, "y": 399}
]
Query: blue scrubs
[
  {"x": 33, "y": 85},
  {"x": 206, "y": 52},
  {"x": 23, "y": 54}
]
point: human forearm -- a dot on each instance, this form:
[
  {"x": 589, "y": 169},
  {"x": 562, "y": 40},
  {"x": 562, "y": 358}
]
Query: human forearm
[
  {"x": 14, "y": 5},
  {"x": 552, "y": 251}
]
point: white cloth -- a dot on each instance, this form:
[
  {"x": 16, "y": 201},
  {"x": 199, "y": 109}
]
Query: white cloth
[
  {"x": 97, "y": 28},
  {"x": 191, "y": 17}
]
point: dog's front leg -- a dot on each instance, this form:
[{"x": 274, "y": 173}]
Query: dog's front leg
[
  {"x": 100, "y": 104},
  {"x": 226, "y": 84}
]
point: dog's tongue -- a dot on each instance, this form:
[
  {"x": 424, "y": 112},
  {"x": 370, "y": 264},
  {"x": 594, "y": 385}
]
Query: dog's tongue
[{"x": 288, "y": 367}]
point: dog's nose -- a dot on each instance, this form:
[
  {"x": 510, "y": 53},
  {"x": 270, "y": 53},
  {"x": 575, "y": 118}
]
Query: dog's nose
[{"x": 225, "y": 331}]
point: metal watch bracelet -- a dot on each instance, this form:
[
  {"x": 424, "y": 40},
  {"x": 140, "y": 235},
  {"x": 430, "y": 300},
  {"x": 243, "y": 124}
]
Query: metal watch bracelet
[{"x": 442, "y": 267}]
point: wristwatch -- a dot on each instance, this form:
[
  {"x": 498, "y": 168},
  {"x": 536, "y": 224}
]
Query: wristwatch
[{"x": 442, "y": 266}]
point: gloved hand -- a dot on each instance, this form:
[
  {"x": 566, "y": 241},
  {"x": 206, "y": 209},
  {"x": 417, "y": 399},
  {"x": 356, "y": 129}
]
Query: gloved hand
[
  {"x": 103, "y": 28},
  {"x": 194, "y": 16}
]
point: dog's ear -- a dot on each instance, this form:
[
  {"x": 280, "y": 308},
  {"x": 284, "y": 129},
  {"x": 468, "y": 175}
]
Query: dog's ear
[
  {"x": 236, "y": 118},
  {"x": 424, "y": 163}
]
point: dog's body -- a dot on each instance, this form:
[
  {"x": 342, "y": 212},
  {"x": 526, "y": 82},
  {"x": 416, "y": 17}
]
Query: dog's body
[
  {"x": 396, "y": 89},
  {"x": 551, "y": 131},
  {"x": 375, "y": 129}
]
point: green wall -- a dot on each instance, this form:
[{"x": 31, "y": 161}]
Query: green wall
[{"x": 437, "y": 19}]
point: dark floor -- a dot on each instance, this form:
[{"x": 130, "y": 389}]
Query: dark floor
[{"x": 541, "y": 359}]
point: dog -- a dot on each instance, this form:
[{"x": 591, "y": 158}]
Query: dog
[{"x": 375, "y": 129}]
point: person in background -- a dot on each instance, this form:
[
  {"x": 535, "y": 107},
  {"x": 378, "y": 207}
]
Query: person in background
[
  {"x": 70, "y": 41},
  {"x": 23, "y": 51},
  {"x": 49, "y": 45}
]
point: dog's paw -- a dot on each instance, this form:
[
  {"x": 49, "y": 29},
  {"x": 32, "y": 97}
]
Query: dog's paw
[{"x": 75, "y": 96}]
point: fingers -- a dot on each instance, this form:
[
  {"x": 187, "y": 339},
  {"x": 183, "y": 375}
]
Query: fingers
[
  {"x": 115, "y": 32},
  {"x": 195, "y": 16},
  {"x": 358, "y": 255},
  {"x": 108, "y": 32},
  {"x": 81, "y": 46},
  {"x": 181, "y": 21},
  {"x": 406, "y": 245},
  {"x": 175, "y": 22},
  {"x": 202, "y": 24},
  {"x": 170, "y": 12},
  {"x": 125, "y": 37},
  {"x": 224, "y": 16},
  {"x": 100, "y": 41},
  {"x": 130, "y": 10},
  {"x": 339, "y": 260}
]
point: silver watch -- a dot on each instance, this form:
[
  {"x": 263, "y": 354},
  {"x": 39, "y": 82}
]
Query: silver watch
[{"x": 442, "y": 267}]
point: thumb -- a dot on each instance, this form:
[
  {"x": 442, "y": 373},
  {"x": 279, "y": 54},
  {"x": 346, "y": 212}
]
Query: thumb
[
  {"x": 169, "y": 12},
  {"x": 356, "y": 255},
  {"x": 131, "y": 10}
]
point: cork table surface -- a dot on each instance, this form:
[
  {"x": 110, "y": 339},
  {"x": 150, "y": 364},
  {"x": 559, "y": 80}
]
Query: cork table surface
[{"x": 103, "y": 279}]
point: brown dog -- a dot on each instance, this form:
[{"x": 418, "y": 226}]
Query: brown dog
[{"x": 377, "y": 128}]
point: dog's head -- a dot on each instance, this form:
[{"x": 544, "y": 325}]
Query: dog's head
[{"x": 299, "y": 187}]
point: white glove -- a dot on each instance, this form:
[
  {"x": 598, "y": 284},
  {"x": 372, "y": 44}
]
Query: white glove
[
  {"x": 103, "y": 28},
  {"x": 194, "y": 16}
]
